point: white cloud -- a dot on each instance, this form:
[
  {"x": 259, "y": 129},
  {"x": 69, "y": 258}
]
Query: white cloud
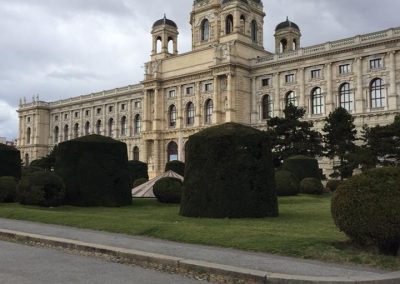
[{"x": 8, "y": 121}]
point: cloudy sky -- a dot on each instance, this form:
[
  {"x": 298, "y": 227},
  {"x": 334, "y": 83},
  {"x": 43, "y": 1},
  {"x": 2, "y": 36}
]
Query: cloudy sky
[{"x": 66, "y": 48}]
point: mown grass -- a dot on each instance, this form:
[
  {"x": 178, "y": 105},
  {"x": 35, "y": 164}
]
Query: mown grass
[{"x": 304, "y": 228}]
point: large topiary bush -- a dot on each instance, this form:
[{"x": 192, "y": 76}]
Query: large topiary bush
[
  {"x": 302, "y": 167},
  {"x": 229, "y": 173},
  {"x": 168, "y": 190},
  {"x": 41, "y": 188},
  {"x": 311, "y": 186},
  {"x": 10, "y": 161},
  {"x": 95, "y": 171},
  {"x": 176, "y": 166},
  {"x": 138, "y": 170},
  {"x": 333, "y": 184},
  {"x": 8, "y": 189},
  {"x": 287, "y": 183},
  {"x": 366, "y": 208}
]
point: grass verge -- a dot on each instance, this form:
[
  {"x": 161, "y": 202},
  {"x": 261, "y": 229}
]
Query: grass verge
[{"x": 304, "y": 228}]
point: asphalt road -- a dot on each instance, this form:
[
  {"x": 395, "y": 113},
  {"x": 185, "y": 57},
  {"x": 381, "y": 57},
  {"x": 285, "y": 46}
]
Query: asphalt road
[{"x": 24, "y": 264}]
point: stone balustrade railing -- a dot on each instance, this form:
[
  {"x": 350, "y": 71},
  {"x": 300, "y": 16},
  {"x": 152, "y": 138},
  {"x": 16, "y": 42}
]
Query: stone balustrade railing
[{"x": 330, "y": 46}]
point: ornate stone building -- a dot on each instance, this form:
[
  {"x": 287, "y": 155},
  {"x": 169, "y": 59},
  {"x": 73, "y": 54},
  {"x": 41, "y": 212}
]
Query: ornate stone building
[{"x": 227, "y": 76}]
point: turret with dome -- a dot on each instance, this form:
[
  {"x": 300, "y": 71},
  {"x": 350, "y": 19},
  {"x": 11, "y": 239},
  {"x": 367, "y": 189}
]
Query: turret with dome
[
  {"x": 164, "y": 32},
  {"x": 287, "y": 36}
]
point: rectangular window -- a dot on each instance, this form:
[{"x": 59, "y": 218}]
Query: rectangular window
[
  {"x": 98, "y": 110},
  {"x": 344, "y": 68},
  {"x": 315, "y": 73},
  {"x": 110, "y": 109},
  {"x": 289, "y": 78},
  {"x": 172, "y": 94},
  {"x": 28, "y": 119},
  {"x": 66, "y": 116},
  {"x": 87, "y": 113},
  {"x": 189, "y": 91},
  {"x": 375, "y": 63},
  {"x": 208, "y": 87},
  {"x": 76, "y": 114},
  {"x": 123, "y": 107},
  {"x": 137, "y": 105},
  {"x": 265, "y": 82},
  {"x": 56, "y": 118}
]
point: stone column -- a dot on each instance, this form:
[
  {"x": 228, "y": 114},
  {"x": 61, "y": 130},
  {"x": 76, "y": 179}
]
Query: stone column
[
  {"x": 359, "y": 100},
  {"x": 146, "y": 111},
  {"x": 157, "y": 107},
  {"x": 216, "y": 102},
  {"x": 393, "y": 99},
  {"x": 93, "y": 123},
  {"x": 329, "y": 100},
  {"x": 302, "y": 98},
  {"x": 231, "y": 99},
  {"x": 156, "y": 156},
  {"x": 179, "y": 108},
  {"x": 254, "y": 113},
  {"x": 277, "y": 99},
  {"x": 197, "y": 108}
]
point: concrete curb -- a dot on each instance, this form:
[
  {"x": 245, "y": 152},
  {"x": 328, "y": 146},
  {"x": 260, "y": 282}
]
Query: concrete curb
[{"x": 193, "y": 268}]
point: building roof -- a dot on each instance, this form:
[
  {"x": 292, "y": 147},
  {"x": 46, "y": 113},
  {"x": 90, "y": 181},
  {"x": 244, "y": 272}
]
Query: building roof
[
  {"x": 245, "y": 1},
  {"x": 287, "y": 24},
  {"x": 164, "y": 21}
]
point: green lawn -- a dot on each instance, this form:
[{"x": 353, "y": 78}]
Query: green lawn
[{"x": 304, "y": 228}]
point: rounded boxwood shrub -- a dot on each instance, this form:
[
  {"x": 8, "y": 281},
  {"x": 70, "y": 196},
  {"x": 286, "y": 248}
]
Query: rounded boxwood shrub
[
  {"x": 138, "y": 170},
  {"x": 333, "y": 184},
  {"x": 95, "y": 171},
  {"x": 366, "y": 208},
  {"x": 30, "y": 170},
  {"x": 139, "y": 181},
  {"x": 8, "y": 189},
  {"x": 229, "y": 173},
  {"x": 168, "y": 190},
  {"x": 311, "y": 186},
  {"x": 176, "y": 166},
  {"x": 10, "y": 161},
  {"x": 41, "y": 188},
  {"x": 302, "y": 167},
  {"x": 287, "y": 183}
]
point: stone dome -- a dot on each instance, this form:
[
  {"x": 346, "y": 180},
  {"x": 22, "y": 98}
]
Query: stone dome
[
  {"x": 244, "y": 1},
  {"x": 164, "y": 21},
  {"x": 287, "y": 24}
]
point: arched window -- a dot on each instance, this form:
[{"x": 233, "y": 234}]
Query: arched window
[
  {"x": 254, "y": 31},
  {"x": 137, "y": 125},
  {"x": 123, "y": 126},
  {"x": 377, "y": 93},
  {"x": 205, "y": 30},
  {"x": 229, "y": 24},
  {"x": 66, "y": 132},
  {"x": 170, "y": 45},
  {"x": 172, "y": 116},
  {"x": 28, "y": 135},
  {"x": 317, "y": 101},
  {"x": 346, "y": 97},
  {"x": 87, "y": 128},
  {"x": 26, "y": 160},
  {"x": 294, "y": 44},
  {"x": 98, "y": 127},
  {"x": 56, "y": 134},
  {"x": 136, "y": 153},
  {"x": 242, "y": 24},
  {"x": 110, "y": 127},
  {"x": 284, "y": 44},
  {"x": 208, "y": 110},
  {"x": 172, "y": 151},
  {"x": 190, "y": 113},
  {"x": 76, "y": 130},
  {"x": 266, "y": 105},
  {"x": 291, "y": 99},
  {"x": 158, "y": 44}
]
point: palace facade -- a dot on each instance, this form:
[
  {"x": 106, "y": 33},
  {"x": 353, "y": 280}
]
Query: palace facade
[{"x": 228, "y": 76}]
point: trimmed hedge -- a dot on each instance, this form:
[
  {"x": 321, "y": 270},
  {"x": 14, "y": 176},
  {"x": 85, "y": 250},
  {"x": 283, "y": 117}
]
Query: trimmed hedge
[
  {"x": 287, "y": 183},
  {"x": 139, "y": 181},
  {"x": 168, "y": 190},
  {"x": 44, "y": 189},
  {"x": 10, "y": 161},
  {"x": 229, "y": 173},
  {"x": 366, "y": 208},
  {"x": 302, "y": 167},
  {"x": 95, "y": 171},
  {"x": 8, "y": 189},
  {"x": 333, "y": 184},
  {"x": 138, "y": 170},
  {"x": 30, "y": 170},
  {"x": 311, "y": 186},
  {"x": 176, "y": 166}
]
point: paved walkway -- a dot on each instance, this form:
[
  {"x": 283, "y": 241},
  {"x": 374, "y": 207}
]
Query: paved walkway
[{"x": 249, "y": 260}]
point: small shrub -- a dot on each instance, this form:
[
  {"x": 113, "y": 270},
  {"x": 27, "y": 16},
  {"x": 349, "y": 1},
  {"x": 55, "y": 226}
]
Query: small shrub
[
  {"x": 311, "y": 186},
  {"x": 10, "y": 161},
  {"x": 30, "y": 170},
  {"x": 168, "y": 190},
  {"x": 333, "y": 184},
  {"x": 139, "y": 181},
  {"x": 8, "y": 189},
  {"x": 138, "y": 170},
  {"x": 366, "y": 208},
  {"x": 302, "y": 167},
  {"x": 41, "y": 188},
  {"x": 176, "y": 166},
  {"x": 287, "y": 183}
]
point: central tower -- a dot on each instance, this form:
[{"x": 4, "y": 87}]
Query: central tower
[{"x": 219, "y": 21}]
